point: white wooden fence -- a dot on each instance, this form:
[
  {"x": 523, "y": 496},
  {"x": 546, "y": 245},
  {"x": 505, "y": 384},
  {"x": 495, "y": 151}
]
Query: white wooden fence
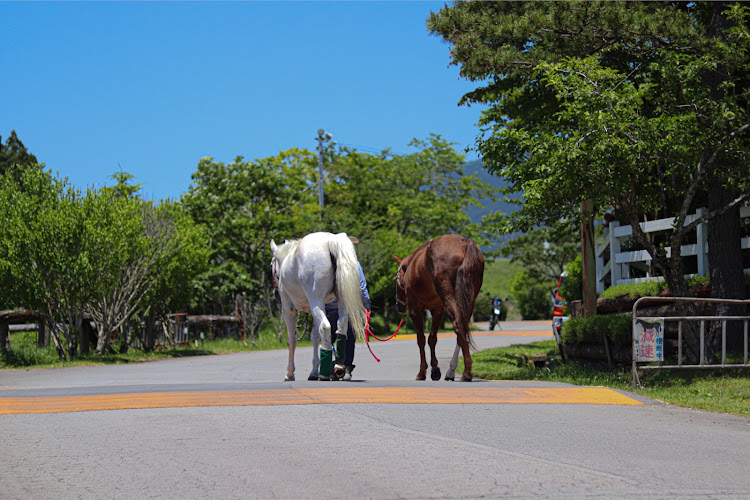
[{"x": 613, "y": 266}]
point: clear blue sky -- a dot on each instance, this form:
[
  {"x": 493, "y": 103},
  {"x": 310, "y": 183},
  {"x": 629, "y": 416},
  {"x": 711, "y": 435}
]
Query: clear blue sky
[{"x": 151, "y": 87}]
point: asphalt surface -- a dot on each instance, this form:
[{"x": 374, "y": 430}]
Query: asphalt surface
[{"x": 229, "y": 427}]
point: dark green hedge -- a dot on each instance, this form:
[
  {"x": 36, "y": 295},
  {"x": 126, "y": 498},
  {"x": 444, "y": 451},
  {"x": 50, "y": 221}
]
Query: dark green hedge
[{"x": 589, "y": 330}]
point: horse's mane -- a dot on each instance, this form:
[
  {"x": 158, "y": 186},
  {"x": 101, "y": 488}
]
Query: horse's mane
[{"x": 288, "y": 247}]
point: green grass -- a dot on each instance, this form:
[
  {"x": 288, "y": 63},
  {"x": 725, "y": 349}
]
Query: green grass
[
  {"x": 498, "y": 274},
  {"x": 26, "y": 354},
  {"x": 725, "y": 391}
]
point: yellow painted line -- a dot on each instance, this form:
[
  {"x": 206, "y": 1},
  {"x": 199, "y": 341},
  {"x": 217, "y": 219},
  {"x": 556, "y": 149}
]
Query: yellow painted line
[
  {"x": 334, "y": 395},
  {"x": 498, "y": 333}
]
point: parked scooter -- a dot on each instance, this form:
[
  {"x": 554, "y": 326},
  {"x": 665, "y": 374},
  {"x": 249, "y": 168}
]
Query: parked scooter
[{"x": 498, "y": 312}]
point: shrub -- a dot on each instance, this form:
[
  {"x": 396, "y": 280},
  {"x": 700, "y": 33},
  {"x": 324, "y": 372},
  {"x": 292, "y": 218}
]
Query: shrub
[
  {"x": 531, "y": 295},
  {"x": 590, "y": 330},
  {"x": 572, "y": 286},
  {"x": 634, "y": 290}
]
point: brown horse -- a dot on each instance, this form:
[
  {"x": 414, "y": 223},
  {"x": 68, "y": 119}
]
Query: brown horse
[{"x": 444, "y": 275}]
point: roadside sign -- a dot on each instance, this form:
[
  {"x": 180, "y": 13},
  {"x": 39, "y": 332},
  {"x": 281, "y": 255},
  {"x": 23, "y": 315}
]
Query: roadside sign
[{"x": 649, "y": 339}]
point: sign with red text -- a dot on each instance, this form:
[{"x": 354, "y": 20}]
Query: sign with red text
[{"x": 649, "y": 339}]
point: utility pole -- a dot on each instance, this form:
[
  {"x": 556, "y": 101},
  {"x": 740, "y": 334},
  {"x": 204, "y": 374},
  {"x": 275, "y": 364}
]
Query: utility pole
[{"x": 323, "y": 136}]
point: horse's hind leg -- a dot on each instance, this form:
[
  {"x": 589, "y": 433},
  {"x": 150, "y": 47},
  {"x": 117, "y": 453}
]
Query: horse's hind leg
[
  {"x": 290, "y": 318},
  {"x": 437, "y": 320},
  {"x": 324, "y": 334},
  {"x": 418, "y": 321},
  {"x": 461, "y": 334},
  {"x": 315, "y": 338},
  {"x": 451, "y": 373}
]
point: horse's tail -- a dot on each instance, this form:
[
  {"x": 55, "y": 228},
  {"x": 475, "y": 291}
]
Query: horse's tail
[
  {"x": 468, "y": 282},
  {"x": 347, "y": 281}
]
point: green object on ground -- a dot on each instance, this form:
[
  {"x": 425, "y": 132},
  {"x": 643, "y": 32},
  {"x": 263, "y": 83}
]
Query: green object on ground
[{"x": 326, "y": 362}]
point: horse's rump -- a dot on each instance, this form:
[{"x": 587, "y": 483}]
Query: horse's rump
[{"x": 457, "y": 266}]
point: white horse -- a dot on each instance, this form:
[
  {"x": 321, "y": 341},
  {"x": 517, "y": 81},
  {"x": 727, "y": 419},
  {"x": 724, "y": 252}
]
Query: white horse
[{"x": 308, "y": 273}]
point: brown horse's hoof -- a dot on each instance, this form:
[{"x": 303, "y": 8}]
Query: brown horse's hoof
[
  {"x": 466, "y": 378},
  {"x": 421, "y": 376},
  {"x": 435, "y": 374}
]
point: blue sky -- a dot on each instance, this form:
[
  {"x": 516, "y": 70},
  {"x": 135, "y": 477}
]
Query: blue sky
[{"x": 152, "y": 87}]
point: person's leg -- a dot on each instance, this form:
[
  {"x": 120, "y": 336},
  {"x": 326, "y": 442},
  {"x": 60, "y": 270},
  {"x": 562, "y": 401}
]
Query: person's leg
[
  {"x": 339, "y": 342},
  {"x": 351, "y": 340}
]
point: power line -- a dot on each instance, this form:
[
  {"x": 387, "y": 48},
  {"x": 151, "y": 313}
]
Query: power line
[{"x": 370, "y": 149}]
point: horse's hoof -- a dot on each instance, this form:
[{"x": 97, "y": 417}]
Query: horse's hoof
[
  {"x": 421, "y": 376},
  {"x": 451, "y": 378},
  {"x": 338, "y": 371},
  {"x": 435, "y": 374},
  {"x": 289, "y": 378},
  {"x": 312, "y": 377},
  {"x": 466, "y": 378},
  {"x": 324, "y": 378}
]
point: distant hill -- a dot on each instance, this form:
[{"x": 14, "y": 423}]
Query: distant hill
[{"x": 476, "y": 213}]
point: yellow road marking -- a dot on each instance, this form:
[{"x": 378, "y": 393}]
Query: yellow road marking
[
  {"x": 510, "y": 333},
  {"x": 334, "y": 395}
]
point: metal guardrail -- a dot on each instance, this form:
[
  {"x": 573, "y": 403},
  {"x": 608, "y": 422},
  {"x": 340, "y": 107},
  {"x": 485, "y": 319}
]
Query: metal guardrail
[{"x": 680, "y": 320}]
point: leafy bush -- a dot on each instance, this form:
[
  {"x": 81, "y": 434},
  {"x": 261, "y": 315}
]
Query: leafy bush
[
  {"x": 572, "y": 286},
  {"x": 618, "y": 328},
  {"x": 634, "y": 290},
  {"x": 531, "y": 295},
  {"x": 652, "y": 288}
]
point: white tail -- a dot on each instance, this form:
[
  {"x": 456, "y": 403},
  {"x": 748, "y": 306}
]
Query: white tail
[{"x": 347, "y": 281}]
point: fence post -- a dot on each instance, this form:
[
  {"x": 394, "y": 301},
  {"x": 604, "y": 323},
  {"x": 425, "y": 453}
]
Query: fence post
[
  {"x": 4, "y": 336},
  {"x": 702, "y": 245},
  {"x": 614, "y": 249}
]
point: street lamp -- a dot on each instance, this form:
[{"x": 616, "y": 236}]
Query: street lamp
[{"x": 323, "y": 136}]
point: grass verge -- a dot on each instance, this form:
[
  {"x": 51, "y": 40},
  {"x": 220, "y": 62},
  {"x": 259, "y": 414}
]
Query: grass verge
[
  {"x": 725, "y": 391},
  {"x": 26, "y": 354}
]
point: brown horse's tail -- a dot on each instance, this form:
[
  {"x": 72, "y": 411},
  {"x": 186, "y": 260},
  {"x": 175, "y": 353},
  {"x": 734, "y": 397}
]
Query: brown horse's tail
[{"x": 468, "y": 282}]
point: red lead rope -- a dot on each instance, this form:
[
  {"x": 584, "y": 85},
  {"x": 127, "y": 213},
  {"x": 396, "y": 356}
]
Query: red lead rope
[{"x": 368, "y": 333}]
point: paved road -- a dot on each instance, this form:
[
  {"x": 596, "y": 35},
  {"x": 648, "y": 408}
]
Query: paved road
[{"x": 228, "y": 427}]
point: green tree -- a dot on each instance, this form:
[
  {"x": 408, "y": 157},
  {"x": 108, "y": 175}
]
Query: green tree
[
  {"x": 13, "y": 154},
  {"x": 636, "y": 105},
  {"x": 135, "y": 247},
  {"x": 176, "y": 284},
  {"x": 43, "y": 255},
  {"x": 243, "y": 206},
  {"x": 531, "y": 295},
  {"x": 544, "y": 251},
  {"x": 395, "y": 202}
]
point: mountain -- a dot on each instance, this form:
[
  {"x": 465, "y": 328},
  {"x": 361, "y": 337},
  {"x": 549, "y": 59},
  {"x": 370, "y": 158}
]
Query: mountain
[{"x": 476, "y": 213}]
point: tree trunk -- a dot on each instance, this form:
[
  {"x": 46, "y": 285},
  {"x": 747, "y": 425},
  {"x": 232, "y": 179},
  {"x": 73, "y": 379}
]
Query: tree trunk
[
  {"x": 725, "y": 264},
  {"x": 724, "y": 231},
  {"x": 589, "y": 260},
  {"x": 149, "y": 333}
]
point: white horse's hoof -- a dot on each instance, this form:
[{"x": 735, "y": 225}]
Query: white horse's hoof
[{"x": 289, "y": 378}]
